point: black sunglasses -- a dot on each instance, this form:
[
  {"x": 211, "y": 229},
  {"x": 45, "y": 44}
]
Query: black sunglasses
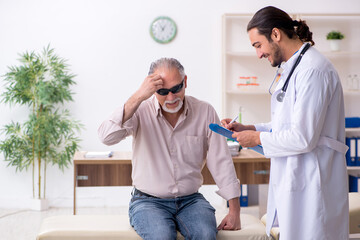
[{"x": 175, "y": 89}]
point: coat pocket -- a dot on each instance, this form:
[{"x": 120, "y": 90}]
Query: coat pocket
[
  {"x": 302, "y": 171},
  {"x": 295, "y": 177}
]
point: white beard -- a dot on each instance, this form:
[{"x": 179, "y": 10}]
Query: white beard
[{"x": 172, "y": 110}]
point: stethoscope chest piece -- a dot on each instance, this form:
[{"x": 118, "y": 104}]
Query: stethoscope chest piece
[{"x": 280, "y": 96}]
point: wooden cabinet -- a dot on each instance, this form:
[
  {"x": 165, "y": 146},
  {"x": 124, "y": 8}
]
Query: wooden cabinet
[
  {"x": 241, "y": 64},
  {"x": 251, "y": 168}
]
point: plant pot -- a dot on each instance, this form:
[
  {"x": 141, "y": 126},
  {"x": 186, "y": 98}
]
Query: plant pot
[
  {"x": 39, "y": 204},
  {"x": 335, "y": 44}
]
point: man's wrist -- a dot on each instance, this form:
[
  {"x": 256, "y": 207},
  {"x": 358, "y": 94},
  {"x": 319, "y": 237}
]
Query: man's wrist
[
  {"x": 258, "y": 140},
  {"x": 251, "y": 127},
  {"x": 234, "y": 205}
]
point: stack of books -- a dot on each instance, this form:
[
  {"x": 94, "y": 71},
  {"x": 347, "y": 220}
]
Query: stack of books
[{"x": 234, "y": 148}]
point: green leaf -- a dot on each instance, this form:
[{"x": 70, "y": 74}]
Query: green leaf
[{"x": 42, "y": 82}]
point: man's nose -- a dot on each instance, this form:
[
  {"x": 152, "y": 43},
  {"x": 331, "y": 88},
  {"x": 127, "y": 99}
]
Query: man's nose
[
  {"x": 170, "y": 96},
  {"x": 259, "y": 53}
]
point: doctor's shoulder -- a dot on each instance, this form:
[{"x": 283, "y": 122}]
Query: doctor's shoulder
[
  {"x": 316, "y": 65},
  {"x": 317, "y": 81},
  {"x": 317, "y": 60}
]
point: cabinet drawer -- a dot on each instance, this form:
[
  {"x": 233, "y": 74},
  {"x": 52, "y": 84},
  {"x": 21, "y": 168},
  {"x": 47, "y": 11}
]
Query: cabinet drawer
[{"x": 104, "y": 175}]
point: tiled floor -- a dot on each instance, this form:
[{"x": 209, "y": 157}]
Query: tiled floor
[{"x": 17, "y": 224}]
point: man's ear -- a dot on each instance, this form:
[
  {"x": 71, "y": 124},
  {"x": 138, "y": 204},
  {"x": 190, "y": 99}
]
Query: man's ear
[
  {"x": 185, "y": 81},
  {"x": 275, "y": 34}
]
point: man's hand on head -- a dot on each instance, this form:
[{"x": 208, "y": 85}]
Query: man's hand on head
[{"x": 150, "y": 85}]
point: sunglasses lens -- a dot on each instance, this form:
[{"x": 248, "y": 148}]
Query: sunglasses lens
[
  {"x": 163, "y": 92},
  {"x": 176, "y": 89}
]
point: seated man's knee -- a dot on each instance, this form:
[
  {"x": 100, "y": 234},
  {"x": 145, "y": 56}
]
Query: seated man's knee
[
  {"x": 204, "y": 233},
  {"x": 151, "y": 222},
  {"x": 157, "y": 233}
]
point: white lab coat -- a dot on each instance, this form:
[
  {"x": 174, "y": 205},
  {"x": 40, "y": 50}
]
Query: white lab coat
[{"x": 308, "y": 189}]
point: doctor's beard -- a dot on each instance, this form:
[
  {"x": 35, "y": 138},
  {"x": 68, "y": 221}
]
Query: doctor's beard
[
  {"x": 276, "y": 56},
  {"x": 172, "y": 110}
]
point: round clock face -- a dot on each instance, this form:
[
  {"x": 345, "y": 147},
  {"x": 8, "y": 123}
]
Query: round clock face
[{"x": 163, "y": 29}]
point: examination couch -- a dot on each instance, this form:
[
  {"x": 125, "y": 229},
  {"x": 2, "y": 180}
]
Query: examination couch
[{"x": 115, "y": 227}]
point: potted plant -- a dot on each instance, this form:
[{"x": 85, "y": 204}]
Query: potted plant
[
  {"x": 334, "y": 37},
  {"x": 42, "y": 83}
]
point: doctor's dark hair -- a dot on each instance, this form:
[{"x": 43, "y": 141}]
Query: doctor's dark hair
[
  {"x": 270, "y": 17},
  {"x": 167, "y": 63}
]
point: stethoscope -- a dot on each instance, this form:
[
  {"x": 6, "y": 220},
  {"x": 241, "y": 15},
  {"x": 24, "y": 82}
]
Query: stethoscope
[{"x": 281, "y": 95}]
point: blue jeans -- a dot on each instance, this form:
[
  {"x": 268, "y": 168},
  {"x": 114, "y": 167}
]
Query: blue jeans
[{"x": 157, "y": 218}]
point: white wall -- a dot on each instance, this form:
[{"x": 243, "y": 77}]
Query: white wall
[{"x": 109, "y": 48}]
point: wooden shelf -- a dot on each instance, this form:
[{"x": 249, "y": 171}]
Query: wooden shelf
[
  {"x": 341, "y": 53},
  {"x": 352, "y": 129},
  {"x": 354, "y": 171},
  {"x": 249, "y": 92},
  {"x": 241, "y": 54},
  {"x": 351, "y": 93},
  {"x": 329, "y": 54},
  {"x": 266, "y": 92}
]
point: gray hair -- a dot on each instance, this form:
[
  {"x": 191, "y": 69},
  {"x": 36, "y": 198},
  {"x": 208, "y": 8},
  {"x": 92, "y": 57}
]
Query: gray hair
[{"x": 167, "y": 63}]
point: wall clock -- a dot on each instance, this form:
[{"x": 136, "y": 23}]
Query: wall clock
[{"x": 163, "y": 29}]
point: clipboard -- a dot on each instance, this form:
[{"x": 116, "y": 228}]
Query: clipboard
[
  {"x": 222, "y": 131},
  {"x": 227, "y": 133}
]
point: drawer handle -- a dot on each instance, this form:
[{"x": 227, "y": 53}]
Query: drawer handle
[
  {"x": 82, "y": 178},
  {"x": 261, "y": 172}
]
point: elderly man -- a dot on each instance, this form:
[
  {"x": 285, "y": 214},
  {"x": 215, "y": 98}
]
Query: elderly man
[{"x": 171, "y": 141}]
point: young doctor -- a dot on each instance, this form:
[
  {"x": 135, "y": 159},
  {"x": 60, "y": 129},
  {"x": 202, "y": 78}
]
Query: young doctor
[{"x": 308, "y": 192}]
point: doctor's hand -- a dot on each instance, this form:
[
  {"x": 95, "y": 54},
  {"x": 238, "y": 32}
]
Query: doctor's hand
[
  {"x": 247, "y": 138},
  {"x": 235, "y": 126},
  {"x": 150, "y": 85}
]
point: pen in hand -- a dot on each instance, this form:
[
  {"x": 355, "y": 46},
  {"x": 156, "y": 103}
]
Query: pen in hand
[{"x": 232, "y": 121}]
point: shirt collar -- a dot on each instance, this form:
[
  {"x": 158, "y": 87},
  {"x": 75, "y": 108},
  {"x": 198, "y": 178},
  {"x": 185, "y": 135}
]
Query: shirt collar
[{"x": 289, "y": 63}]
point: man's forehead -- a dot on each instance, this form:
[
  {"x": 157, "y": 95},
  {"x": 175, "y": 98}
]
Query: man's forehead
[{"x": 165, "y": 71}]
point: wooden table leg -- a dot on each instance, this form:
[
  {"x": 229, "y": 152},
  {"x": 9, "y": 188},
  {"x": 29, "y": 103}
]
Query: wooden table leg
[{"x": 75, "y": 172}]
